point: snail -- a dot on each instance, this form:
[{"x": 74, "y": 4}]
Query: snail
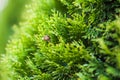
[{"x": 46, "y": 38}]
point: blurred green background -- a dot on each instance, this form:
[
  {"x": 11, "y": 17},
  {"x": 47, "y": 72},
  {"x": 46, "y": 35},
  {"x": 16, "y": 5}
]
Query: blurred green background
[{"x": 10, "y": 14}]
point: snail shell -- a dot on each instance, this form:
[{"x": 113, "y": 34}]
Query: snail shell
[{"x": 46, "y": 38}]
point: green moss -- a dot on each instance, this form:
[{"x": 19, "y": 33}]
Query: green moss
[{"x": 84, "y": 41}]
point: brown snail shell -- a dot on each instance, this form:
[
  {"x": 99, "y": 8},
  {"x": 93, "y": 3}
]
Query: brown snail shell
[{"x": 46, "y": 38}]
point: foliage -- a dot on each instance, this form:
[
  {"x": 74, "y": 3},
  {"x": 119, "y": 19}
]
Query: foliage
[{"x": 84, "y": 41}]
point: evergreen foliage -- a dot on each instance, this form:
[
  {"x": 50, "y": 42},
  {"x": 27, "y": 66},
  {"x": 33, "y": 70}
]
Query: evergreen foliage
[{"x": 84, "y": 41}]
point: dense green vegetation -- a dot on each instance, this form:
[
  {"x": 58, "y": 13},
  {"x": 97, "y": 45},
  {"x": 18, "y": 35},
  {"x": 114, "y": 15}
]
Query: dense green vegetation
[
  {"x": 10, "y": 15},
  {"x": 83, "y": 41}
]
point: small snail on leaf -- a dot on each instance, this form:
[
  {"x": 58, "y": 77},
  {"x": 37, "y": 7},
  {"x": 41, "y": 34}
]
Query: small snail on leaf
[{"x": 46, "y": 38}]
